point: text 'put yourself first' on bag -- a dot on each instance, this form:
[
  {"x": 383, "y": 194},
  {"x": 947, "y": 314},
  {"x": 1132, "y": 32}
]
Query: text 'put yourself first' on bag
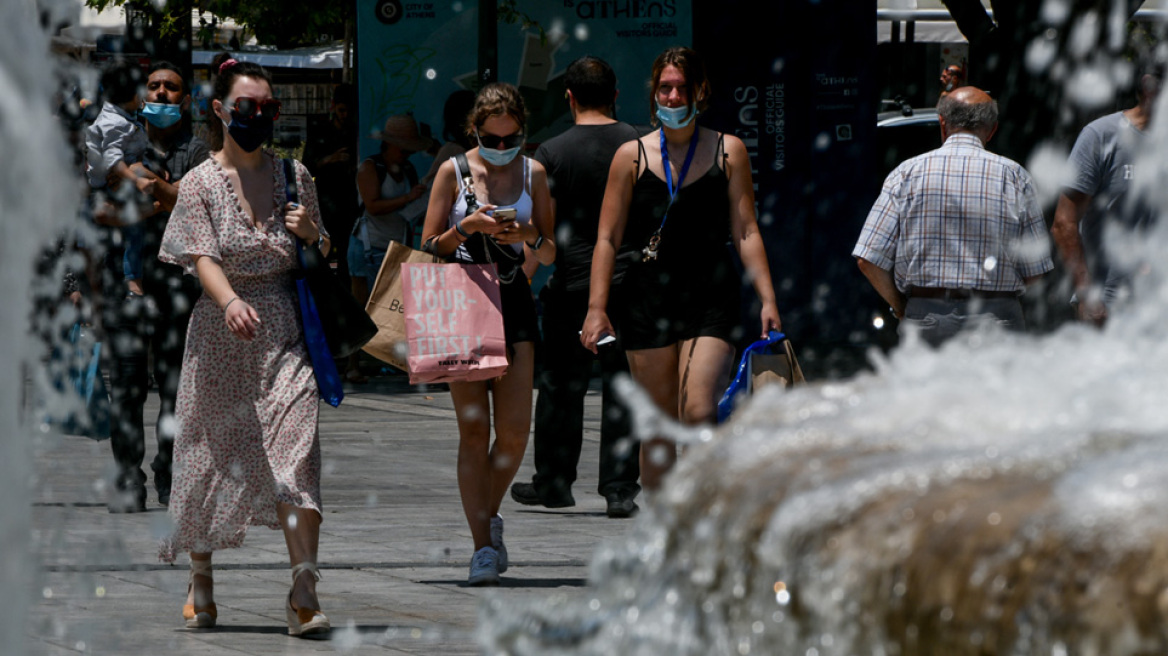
[{"x": 454, "y": 322}]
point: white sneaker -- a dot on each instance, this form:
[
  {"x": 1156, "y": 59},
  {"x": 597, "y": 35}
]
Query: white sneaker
[
  {"x": 497, "y": 541},
  {"x": 484, "y": 567}
]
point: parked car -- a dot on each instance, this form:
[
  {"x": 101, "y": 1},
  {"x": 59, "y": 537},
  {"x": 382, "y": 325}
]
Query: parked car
[{"x": 903, "y": 134}]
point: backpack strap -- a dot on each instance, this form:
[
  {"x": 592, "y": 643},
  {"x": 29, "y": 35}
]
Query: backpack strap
[
  {"x": 411, "y": 174},
  {"x": 290, "y": 191},
  {"x": 725, "y": 158},
  {"x": 382, "y": 172},
  {"x": 641, "y": 156},
  {"x": 464, "y": 172}
]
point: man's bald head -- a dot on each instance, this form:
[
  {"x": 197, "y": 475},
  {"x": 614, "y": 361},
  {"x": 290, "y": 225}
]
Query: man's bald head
[{"x": 968, "y": 109}]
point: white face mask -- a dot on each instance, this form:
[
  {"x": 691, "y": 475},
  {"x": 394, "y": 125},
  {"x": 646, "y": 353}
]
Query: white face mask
[
  {"x": 495, "y": 156},
  {"x": 499, "y": 157},
  {"x": 676, "y": 118}
]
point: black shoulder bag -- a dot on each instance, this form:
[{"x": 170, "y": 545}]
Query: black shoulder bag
[{"x": 346, "y": 325}]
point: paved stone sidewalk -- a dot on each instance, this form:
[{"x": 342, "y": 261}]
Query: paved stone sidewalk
[{"x": 394, "y": 548}]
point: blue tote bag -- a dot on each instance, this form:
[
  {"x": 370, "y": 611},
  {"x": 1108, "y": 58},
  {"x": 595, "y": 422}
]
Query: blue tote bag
[{"x": 328, "y": 379}]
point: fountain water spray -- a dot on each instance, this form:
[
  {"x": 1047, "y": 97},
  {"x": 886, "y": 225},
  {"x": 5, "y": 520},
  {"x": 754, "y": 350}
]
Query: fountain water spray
[
  {"x": 1004, "y": 494},
  {"x": 34, "y": 200}
]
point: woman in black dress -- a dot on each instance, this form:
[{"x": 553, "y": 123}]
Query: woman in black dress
[{"x": 676, "y": 196}]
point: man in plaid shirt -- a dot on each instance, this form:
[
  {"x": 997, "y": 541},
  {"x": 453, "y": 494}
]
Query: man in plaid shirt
[{"x": 956, "y": 234}]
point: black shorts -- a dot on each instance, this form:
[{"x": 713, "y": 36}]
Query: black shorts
[
  {"x": 519, "y": 320},
  {"x": 662, "y": 308}
]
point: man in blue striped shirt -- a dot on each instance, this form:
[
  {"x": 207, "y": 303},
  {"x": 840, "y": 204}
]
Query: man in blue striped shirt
[{"x": 957, "y": 233}]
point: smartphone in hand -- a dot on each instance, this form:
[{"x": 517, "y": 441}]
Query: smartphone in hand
[{"x": 504, "y": 214}]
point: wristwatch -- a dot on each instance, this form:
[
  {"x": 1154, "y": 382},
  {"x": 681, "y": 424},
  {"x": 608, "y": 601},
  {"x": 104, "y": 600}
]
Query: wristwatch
[{"x": 537, "y": 244}]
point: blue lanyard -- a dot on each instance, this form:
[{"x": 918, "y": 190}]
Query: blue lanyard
[{"x": 693, "y": 145}]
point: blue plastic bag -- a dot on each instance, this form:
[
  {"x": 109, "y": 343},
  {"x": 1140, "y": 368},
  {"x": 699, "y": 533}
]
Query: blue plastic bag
[
  {"x": 741, "y": 383},
  {"x": 80, "y": 374}
]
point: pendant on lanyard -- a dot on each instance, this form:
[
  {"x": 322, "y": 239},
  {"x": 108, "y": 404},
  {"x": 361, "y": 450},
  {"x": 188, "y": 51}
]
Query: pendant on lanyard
[{"x": 649, "y": 253}]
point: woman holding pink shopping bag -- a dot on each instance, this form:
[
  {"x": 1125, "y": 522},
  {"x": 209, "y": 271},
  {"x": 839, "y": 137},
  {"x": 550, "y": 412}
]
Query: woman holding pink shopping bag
[{"x": 484, "y": 207}]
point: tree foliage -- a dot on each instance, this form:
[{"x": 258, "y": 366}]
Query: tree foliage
[{"x": 282, "y": 23}]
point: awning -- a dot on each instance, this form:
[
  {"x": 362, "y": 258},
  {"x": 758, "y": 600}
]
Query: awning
[
  {"x": 323, "y": 57},
  {"x": 937, "y": 26}
]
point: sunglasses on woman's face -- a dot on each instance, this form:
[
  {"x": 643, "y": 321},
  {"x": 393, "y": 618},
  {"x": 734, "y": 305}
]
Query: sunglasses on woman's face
[
  {"x": 496, "y": 142},
  {"x": 248, "y": 107}
]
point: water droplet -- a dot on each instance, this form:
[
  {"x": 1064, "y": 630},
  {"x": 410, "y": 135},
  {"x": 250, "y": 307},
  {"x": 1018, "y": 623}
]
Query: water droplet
[
  {"x": 581, "y": 32},
  {"x": 431, "y": 74},
  {"x": 990, "y": 263},
  {"x": 994, "y": 519},
  {"x": 1055, "y": 12},
  {"x": 47, "y": 593},
  {"x": 99, "y": 592},
  {"x": 878, "y": 322}
]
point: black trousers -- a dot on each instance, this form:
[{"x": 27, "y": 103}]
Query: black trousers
[
  {"x": 136, "y": 328},
  {"x": 559, "y": 410}
]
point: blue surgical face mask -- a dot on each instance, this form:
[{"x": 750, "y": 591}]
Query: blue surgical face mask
[
  {"x": 499, "y": 157},
  {"x": 162, "y": 115},
  {"x": 676, "y": 118}
]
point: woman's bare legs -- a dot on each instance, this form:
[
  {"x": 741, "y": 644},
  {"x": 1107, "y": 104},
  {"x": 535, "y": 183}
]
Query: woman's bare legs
[
  {"x": 704, "y": 373},
  {"x": 656, "y": 370},
  {"x": 511, "y": 396},
  {"x": 202, "y": 592},
  {"x": 685, "y": 380},
  {"x": 486, "y": 472},
  {"x": 472, "y": 406},
  {"x": 302, "y": 535}
]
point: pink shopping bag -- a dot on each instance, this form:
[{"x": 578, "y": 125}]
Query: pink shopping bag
[{"x": 454, "y": 322}]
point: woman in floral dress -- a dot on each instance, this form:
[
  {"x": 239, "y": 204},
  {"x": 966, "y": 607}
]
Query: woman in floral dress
[{"x": 246, "y": 449}]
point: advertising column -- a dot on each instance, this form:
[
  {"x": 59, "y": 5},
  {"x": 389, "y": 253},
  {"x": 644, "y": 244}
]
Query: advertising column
[{"x": 797, "y": 88}]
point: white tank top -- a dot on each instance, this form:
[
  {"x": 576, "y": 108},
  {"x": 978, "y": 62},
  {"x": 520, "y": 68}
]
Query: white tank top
[{"x": 522, "y": 206}]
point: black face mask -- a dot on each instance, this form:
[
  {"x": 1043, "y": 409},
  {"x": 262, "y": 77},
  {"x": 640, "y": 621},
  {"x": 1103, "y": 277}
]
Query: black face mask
[{"x": 249, "y": 133}]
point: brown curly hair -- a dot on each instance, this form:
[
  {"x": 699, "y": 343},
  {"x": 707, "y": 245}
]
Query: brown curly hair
[{"x": 497, "y": 99}]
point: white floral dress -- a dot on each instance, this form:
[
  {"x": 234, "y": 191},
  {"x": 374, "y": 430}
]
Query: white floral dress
[{"x": 247, "y": 410}]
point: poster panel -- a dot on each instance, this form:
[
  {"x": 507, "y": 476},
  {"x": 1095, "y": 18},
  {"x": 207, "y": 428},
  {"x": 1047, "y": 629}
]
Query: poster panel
[{"x": 413, "y": 54}]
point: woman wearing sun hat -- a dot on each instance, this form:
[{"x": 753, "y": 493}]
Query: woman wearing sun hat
[{"x": 387, "y": 183}]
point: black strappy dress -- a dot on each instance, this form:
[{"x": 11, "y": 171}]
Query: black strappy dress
[{"x": 692, "y": 288}]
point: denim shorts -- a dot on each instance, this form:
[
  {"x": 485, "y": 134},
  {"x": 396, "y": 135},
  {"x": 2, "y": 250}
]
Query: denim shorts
[{"x": 356, "y": 257}]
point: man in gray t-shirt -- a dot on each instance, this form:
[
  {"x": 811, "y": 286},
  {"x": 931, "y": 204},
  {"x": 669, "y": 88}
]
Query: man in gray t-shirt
[{"x": 1104, "y": 158}]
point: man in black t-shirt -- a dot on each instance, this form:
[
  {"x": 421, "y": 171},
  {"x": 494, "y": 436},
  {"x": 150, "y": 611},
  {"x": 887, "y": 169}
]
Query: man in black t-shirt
[
  {"x": 577, "y": 163},
  {"x": 150, "y": 313}
]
